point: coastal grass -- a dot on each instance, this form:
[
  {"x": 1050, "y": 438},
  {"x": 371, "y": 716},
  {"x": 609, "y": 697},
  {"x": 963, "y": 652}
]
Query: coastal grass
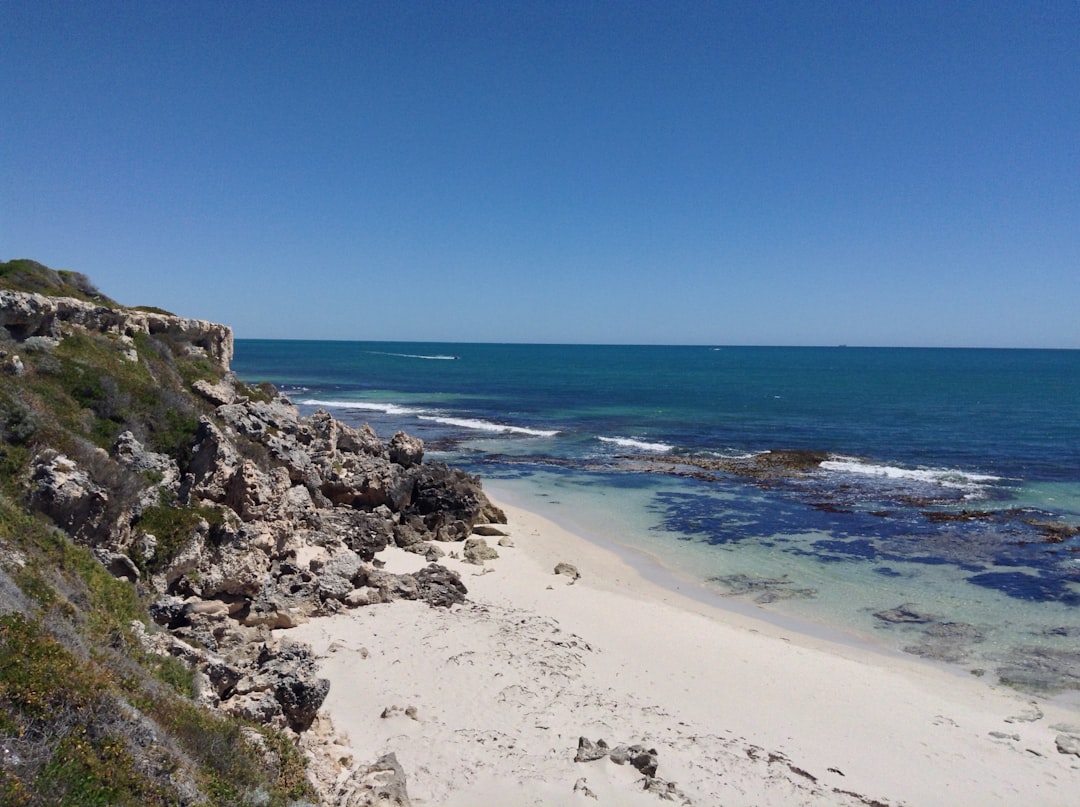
[
  {"x": 89, "y": 717},
  {"x": 78, "y": 696}
]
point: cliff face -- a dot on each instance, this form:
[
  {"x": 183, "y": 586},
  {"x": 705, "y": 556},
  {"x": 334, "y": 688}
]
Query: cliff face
[
  {"x": 26, "y": 314},
  {"x": 215, "y": 511}
]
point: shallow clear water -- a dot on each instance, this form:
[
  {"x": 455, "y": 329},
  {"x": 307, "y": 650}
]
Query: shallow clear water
[{"x": 947, "y": 472}]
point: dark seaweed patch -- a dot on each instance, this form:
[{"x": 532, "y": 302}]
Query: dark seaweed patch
[{"x": 1025, "y": 586}]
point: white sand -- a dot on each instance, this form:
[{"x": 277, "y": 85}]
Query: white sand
[{"x": 740, "y": 711}]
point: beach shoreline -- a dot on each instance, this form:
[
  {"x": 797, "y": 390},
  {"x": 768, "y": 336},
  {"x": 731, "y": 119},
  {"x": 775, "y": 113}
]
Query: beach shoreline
[{"x": 485, "y": 703}]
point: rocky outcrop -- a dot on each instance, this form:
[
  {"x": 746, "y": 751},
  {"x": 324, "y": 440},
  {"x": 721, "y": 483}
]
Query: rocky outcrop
[
  {"x": 27, "y": 315},
  {"x": 266, "y": 519}
]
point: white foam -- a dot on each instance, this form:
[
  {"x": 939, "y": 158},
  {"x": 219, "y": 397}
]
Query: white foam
[
  {"x": 639, "y": 445},
  {"x": 488, "y": 426},
  {"x": 412, "y": 355},
  {"x": 386, "y": 408},
  {"x": 945, "y": 477}
]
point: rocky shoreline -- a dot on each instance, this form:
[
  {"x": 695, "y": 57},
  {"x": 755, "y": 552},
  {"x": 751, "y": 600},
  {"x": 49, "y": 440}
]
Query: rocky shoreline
[{"x": 274, "y": 518}]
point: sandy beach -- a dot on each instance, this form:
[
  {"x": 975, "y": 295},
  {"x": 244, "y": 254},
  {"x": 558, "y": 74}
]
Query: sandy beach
[{"x": 484, "y": 703}]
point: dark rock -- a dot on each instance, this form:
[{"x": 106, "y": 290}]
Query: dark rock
[
  {"x": 364, "y": 533},
  {"x": 645, "y": 760},
  {"x": 448, "y": 500},
  {"x": 903, "y": 614},
  {"x": 292, "y": 672},
  {"x": 439, "y": 586}
]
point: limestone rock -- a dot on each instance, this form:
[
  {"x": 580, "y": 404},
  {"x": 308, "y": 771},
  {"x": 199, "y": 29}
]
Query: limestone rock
[
  {"x": 218, "y": 394},
  {"x": 568, "y": 569},
  {"x": 381, "y": 784},
  {"x": 476, "y": 551},
  {"x": 27, "y": 315},
  {"x": 405, "y": 450},
  {"x": 588, "y": 751},
  {"x": 1068, "y": 744},
  {"x": 67, "y": 495}
]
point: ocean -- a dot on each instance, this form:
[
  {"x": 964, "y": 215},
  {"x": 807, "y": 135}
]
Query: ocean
[{"x": 932, "y": 505}]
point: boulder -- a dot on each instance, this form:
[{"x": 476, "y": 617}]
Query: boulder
[
  {"x": 476, "y": 551},
  {"x": 289, "y": 672},
  {"x": 440, "y": 587},
  {"x": 405, "y": 450},
  {"x": 67, "y": 495}
]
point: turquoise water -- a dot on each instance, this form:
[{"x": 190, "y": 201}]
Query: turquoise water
[{"x": 917, "y": 438}]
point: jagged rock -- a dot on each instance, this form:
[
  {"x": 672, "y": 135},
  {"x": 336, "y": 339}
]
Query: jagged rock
[
  {"x": 490, "y": 514},
  {"x": 67, "y": 495},
  {"x": 363, "y": 533},
  {"x": 410, "y": 530},
  {"x": 439, "y": 586},
  {"x": 333, "y": 587},
  {"x": 450, "y": 501},
  {"x": 568, "y": 569},
  {"x": 476, "y": 551},
  {"x": 289, "y": 671},
  {"x": 213, "y": 463},
  {"x": 219, "y": 394},
  {"x": 131, "y": 454},
  {"x": 27, "y": 315},
  {"x": 276, "y": 608},
  {"x": 405, "y": 450},
  {"x": 251, "y": 494},
  {"x": 232, "y": 569},
  {"x": 588, "y": 751},
  {"x": 381, "y": 784},
  {"x": 346, "y": 565}
]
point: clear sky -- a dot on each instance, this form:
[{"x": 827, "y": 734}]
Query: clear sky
[{"x": 882, "y": 173}]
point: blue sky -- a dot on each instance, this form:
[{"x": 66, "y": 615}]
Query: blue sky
[{"x": 873, "y": 173}]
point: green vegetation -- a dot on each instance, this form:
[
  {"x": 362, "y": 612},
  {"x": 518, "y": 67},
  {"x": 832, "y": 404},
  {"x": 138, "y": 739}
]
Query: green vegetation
[
  {"x": 87, "y": 717},
  {"x": 174, "y": 527},
  {"x": 30, "y": 276}
]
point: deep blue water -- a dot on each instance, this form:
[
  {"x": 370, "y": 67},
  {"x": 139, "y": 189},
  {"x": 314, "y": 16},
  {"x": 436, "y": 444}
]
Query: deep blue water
[{"x": 917, "y": 437}]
